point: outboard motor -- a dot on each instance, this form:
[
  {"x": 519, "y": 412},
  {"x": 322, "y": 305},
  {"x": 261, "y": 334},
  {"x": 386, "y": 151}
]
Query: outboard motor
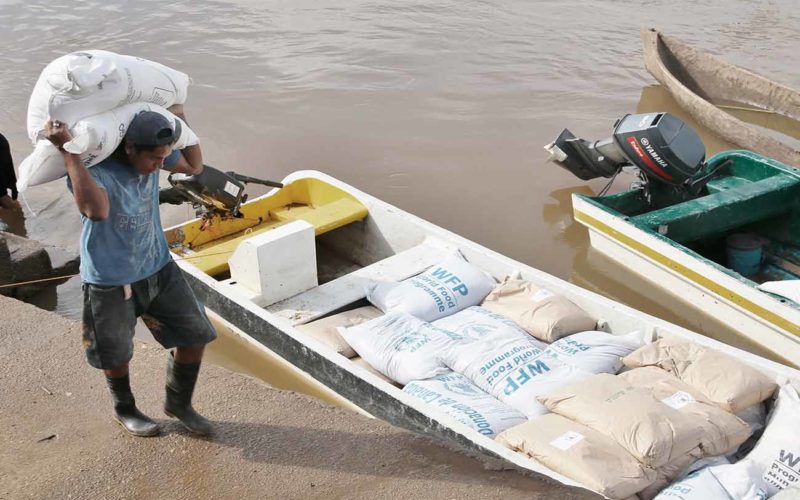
[
  {"x": 212, "y": 192},
  {"x": 661, "y": 146}
]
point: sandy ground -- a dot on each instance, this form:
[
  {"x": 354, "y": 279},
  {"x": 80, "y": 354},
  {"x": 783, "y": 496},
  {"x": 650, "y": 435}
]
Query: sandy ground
[{"x": 57, "y": 439}]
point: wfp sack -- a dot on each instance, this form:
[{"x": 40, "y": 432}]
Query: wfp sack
[
  {"x": 489, "y": 347},
  {"x": 459, "y": 398},
  {"x": 444, "y": 289},
  {"x": 566, "y": 361},
  {"x": 400, "y": 346},
  {"x": 325, "y": 329},
  {"x": 90, "y": 82},
  {"x": 538, "y": 311},
  {"x": 580, "y": 453},
  {"x": 512, "y": 366},
  {"x": 707, "y": 484},
  {"x": 654, "y": 433},
  {"x": 595, "y": 352},
  {"x": 728, "y": 383},
  {"x": 94, "y": 139},
  {"x": 774, "y": 462},
  {"x": 723, "y": 432}
]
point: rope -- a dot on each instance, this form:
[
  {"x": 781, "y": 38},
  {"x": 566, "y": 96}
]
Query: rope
[{"x": 68, "y": 276}]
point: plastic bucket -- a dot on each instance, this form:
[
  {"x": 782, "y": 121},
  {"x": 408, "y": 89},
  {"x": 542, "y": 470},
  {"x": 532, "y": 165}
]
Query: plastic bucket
[{"x": 744, "y": 252}]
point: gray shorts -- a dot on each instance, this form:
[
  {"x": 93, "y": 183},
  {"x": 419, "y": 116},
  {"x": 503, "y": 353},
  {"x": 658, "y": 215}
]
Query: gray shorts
[{"x": 165, "y": 303}]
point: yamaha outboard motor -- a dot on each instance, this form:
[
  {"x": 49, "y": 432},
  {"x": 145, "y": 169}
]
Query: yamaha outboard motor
[{"x": 661, "y": 146}]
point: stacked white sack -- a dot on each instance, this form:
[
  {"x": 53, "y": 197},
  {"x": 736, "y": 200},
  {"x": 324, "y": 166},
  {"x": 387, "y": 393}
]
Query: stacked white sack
[
  {"x": 444, "y": 289},
  {"x": 400, "y": 346},
  {"x": 459, "y": 398},
  {"x": 505, "y": 361},
  {"x": 96, "y": 94},
  {"x": 94, "y": 139},
  {"x": 90, "y": 82}
]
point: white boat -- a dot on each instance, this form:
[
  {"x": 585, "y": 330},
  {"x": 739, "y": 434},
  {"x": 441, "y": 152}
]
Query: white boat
[{"x": 360, "y": 238}]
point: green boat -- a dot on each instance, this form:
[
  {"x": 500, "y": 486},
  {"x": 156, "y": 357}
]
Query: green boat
[{"x": 721, "y": 235}]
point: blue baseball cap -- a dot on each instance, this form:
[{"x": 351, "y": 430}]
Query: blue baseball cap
[{"x": 149, "y": 128}]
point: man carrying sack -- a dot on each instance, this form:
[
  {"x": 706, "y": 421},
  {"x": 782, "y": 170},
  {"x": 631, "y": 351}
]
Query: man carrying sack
[{"x": 127, "y": 271}]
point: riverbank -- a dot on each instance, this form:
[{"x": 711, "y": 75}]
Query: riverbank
[{"x": 58, "y": 440}]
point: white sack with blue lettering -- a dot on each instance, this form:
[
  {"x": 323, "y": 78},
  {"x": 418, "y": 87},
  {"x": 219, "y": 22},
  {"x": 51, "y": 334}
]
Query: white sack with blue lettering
[
  {"x": 489, "y": 347},
  {"x": 514, "y": 367},
  {"x": 595, "y": 352},
  {"x": 442, "y": 290},
  {"x": 774, "y": 462},
  {"x": 566, "y": 361},
  {"x": 458, "y": 397},
  {"x": 707, "y": 484},
  {"x": 400, "y": 346}
]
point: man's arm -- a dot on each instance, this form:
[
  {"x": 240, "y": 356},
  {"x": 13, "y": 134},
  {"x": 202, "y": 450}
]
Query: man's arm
[
  {"x": 92, "y": 200},
  {"x": 191, "y": 160}
]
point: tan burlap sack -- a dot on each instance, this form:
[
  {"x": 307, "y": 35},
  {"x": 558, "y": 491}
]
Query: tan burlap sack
[
  {"x": 727, "y": 382},
  {"x": 579, "y": 453},
  {"x": 723, "y": 432},
  {"x": 538, "y": 311},
  {"x": 651, "y": 431},
  {"x": 324, "y": 329},
  {"x": 362, "y": 363}
]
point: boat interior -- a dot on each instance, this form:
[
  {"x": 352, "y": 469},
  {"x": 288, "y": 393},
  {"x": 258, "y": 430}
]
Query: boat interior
[
  {"x": 752, "y": 195},
  {"x": 326, "y": 237}
]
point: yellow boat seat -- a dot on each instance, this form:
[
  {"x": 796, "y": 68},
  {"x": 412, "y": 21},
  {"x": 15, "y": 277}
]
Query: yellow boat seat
[{"x": 323, "y": 206}]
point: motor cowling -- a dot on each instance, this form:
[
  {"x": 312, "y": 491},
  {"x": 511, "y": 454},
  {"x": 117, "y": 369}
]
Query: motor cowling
[{"x": 662, "y": 146}]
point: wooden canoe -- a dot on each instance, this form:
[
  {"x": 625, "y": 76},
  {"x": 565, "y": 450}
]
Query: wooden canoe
[{"x": 698, "y": 81}]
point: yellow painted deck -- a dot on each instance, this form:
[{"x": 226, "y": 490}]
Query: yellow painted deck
[{"x": 322, "y": 205}]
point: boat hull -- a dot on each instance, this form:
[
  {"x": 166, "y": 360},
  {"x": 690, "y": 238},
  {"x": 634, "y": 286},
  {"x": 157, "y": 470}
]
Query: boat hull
[
  {"x": 761, "y": 319},
  {"x": 273, "y": 329}
]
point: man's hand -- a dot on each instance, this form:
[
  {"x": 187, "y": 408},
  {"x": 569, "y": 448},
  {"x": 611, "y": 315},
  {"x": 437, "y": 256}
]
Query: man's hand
[
  {"x": 9, "y": 203},
  {"x": 57, "y": 133},
  {"x": 92, "y": 200}
]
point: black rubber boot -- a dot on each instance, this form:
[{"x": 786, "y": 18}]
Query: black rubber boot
[
  {"x": 180, "y": 387},
  {"x": 125, "y": 411}
]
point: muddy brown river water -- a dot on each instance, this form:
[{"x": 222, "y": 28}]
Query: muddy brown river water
[{"x": 439, "y": 107}]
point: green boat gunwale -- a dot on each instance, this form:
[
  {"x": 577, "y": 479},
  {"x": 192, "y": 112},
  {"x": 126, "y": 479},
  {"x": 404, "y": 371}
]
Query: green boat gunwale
[{"x": 630, "y": 206}]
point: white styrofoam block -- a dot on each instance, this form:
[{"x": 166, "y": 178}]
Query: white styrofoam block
[{"x": 277, "y": 264}]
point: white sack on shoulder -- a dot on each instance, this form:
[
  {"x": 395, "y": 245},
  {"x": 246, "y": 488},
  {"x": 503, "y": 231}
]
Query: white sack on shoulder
[
  {"x": 444, "y": 289},
  {"x": 94, "y": 139},
  {"x": 459, "y": 398},
  {"x": 90, "y": 82},
  {"x": 400, "y": 346}
]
